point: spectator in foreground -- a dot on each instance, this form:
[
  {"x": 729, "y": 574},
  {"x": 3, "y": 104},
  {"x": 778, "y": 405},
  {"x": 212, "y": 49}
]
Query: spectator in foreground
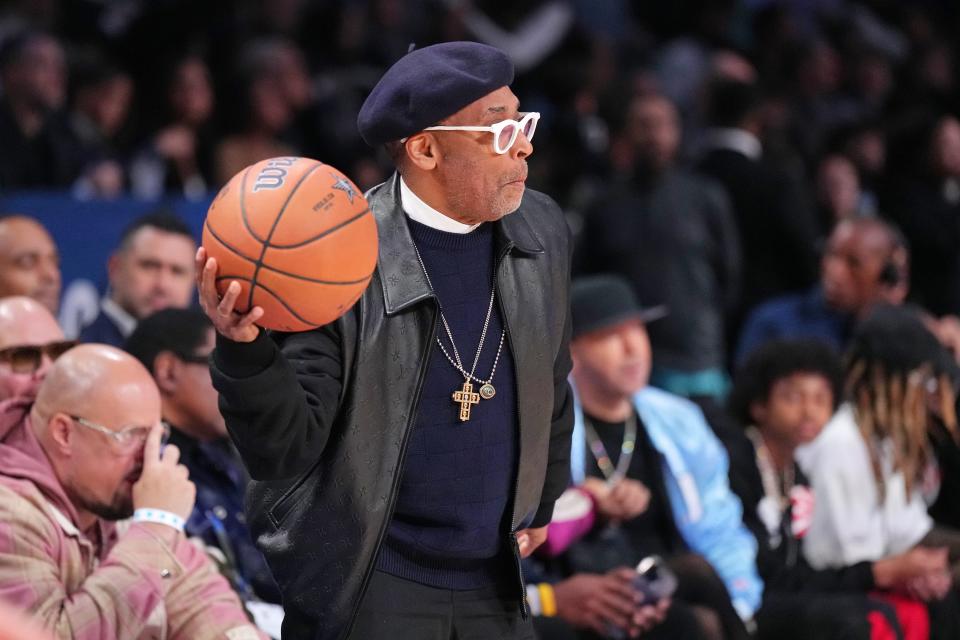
[
  {"x": 86, "y": 454},
  {"x": 654, "y": 470},
  {"x": 175, "y": 345},
  {"x": 152, "y": 269},
  {"x": 29, "y": 261}
]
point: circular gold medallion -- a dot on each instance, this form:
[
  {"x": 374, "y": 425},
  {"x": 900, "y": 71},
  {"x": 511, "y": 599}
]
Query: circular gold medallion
[{"x": 487, "y": 391}]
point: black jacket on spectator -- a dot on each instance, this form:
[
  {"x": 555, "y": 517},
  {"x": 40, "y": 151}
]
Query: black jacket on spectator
[
  {"x": 49, "y": 159},
  {"x": 945, "y": 509},
  {"x": 930, "y": 220},
  {"x": 780, "y": 559},
  {"x": 778, "y": 233},
  {"x": 674, "y": 239},
  {"x": 322, "y": 418}
]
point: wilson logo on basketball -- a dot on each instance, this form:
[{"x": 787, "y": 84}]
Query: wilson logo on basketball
[{"x": 273, "y": 175}]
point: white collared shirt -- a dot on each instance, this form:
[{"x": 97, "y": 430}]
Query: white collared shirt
[
  {"x": 423, "y": 213},
  {"x": 125, "y": 322},
  {"x": 737, "y": 140}
]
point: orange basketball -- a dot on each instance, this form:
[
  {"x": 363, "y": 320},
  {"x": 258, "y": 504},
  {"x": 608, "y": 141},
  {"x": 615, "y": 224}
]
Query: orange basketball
[{"x": 298, "y": 236}]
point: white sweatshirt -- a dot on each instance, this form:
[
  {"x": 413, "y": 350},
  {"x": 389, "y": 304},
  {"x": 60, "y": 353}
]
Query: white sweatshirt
[{"x": 849, "y": 523}]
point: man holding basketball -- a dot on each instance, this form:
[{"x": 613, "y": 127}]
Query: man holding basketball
[{"x": 409, "y": 453}]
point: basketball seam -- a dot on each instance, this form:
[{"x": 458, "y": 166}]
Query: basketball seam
[
  {"x": 274, "y": 294},
  {"x": 237, "y": 252},
  {"x": 322, "y": 234},
  {"x": 243, "y": 206},
  {"x": 273, "y": 228}
]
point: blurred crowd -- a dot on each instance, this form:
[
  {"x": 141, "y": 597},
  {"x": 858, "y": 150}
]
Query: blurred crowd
[{"x": 769, "y": 190}]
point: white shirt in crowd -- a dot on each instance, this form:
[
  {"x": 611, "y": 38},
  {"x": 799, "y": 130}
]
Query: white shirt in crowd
[{"x": 850, "y": 523}]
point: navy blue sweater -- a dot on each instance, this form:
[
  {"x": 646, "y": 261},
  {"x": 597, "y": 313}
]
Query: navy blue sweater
[{"x": 449, "y": 528}]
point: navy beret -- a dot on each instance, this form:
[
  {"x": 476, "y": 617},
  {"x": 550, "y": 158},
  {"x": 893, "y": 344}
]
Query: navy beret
[{"x": 427, "y": 85}]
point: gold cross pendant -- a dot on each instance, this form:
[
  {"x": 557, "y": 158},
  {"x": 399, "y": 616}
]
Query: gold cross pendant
[{"x": 466, "y": 397}]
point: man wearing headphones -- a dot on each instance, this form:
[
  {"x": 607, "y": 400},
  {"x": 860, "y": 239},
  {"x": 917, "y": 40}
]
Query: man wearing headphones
[{"x": 865, "y": 261}]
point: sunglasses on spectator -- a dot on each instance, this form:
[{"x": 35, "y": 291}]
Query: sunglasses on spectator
[
  {"x": 505, "y": 132},
  {"x": 28, "y": 358},
  {"x": 128, "y": 438}
]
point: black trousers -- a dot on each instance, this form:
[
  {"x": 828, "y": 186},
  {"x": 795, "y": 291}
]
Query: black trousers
[
  {"x": 398, "y": 609},
  {"x": 824, "y": 616}
]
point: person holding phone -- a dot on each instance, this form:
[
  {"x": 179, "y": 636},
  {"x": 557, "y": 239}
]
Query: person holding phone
[{"x": 656, "y": 472}]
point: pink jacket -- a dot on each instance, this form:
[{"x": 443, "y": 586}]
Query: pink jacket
[{"x": 132, "y": 586}]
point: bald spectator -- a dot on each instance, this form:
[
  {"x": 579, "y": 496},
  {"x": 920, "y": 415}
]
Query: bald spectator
[
  {"x": 152, "y": 269},
  {"x": 86, "y": 454},
  {"x": 30, "y": 341},
  {"x": 29, "y": 261},
  {"x": 866, "y": 262},
  {"x": 36, "y": 150}
]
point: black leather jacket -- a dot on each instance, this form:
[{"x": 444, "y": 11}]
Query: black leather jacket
[{"x": 322, "y": 418}]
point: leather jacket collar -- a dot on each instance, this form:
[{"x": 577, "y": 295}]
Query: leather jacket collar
[{"x": 403, "y": 281}]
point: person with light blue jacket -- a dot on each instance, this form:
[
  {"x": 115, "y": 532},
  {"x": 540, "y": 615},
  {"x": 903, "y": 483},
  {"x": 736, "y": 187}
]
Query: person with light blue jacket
[{"x": 667, "y": 492}]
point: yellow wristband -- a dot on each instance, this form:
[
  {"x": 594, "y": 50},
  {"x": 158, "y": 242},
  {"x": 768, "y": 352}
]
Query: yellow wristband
[{"x": 548, "y": 601}]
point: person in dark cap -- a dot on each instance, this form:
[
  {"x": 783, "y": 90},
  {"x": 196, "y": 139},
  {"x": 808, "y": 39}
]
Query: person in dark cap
[
  {"x": 655, "y": 469},
  {"x": 409, "y": 454}
]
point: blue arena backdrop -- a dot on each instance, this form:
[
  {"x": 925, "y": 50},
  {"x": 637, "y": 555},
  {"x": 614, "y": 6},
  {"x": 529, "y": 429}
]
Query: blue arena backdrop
[{"x": 86, "y": 232}]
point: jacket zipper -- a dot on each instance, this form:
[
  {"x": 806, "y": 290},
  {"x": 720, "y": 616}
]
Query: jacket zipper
[
  {"x": 396, "y": 481},
  {"x": 515, "y": 546}
]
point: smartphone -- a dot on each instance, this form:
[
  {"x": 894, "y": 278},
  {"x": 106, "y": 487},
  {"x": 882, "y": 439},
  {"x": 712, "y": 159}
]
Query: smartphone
[{"x": 654, "y": 579}]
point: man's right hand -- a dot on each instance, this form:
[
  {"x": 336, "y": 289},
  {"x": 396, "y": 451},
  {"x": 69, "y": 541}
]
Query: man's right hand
[
  {"x": 921, "y": 572},
  {"x": 228, "y": 322},
  {"x": 164, "y": 484},
  {"x": 591, "y": 601}
]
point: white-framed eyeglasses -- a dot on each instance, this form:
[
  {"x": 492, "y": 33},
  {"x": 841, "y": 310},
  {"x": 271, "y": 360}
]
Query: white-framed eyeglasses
[
  {"x": 505, "y": 132},
  {"x": 128, "y": 438}
]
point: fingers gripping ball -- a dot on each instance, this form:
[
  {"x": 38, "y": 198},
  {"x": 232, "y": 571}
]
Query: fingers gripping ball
[{"x": 298, "y": 236}]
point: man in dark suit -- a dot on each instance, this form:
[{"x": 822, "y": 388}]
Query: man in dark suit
[
  {"x": 152, "y": 269},
  {"x": 778, "y": 229}
]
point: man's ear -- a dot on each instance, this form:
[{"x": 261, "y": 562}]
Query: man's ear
[
  {"x": 61, "y": 433},
  {"x": 422, "y": 151},
  {"x": 113, "y": 265},
  {"x": 758, "y": 412},
  {"x": 166, "y": 372}
]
